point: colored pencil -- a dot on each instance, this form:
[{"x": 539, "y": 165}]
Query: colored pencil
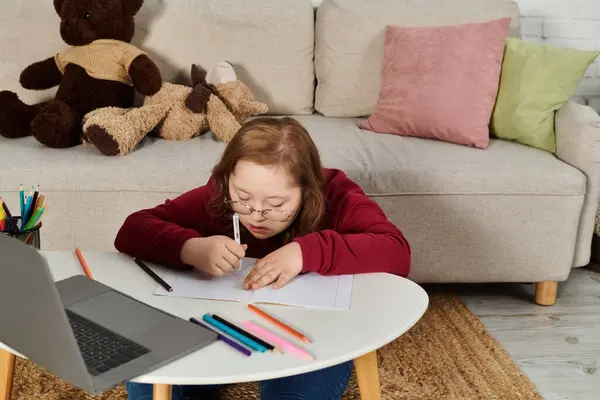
[
  {"x": 32, "y": 209},
  {"x": 9, "y": 218},
  {"x": 224, "y": 339},
  {"x": 157, "y": 278},
  {"x": 36, "y": 224},
  {"x": 279, "y": 323},
  {"x": 40, "y": 201},
  {"x": 243, "y": 332},
  {"x": 28, "y": 206},
  {"x": 84, "y": 265},
  {"x": 244, "y": 339},
  {"x": 21, "y": 200},
  {"x": 34, "y": 219},
  {"x": 276, "y": 339},
  {"x": 45, "y": 207}
]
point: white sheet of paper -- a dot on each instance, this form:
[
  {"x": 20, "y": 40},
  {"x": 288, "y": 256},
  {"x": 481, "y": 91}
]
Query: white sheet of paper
[{"x": 308, "y": 290}]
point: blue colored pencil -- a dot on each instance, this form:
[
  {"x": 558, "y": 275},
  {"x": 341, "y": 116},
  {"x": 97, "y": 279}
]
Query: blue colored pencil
[
  {"x": 22, "y": 201},
  {"x": 225, "y": 339},
  {"x": 247, "y": 341}
]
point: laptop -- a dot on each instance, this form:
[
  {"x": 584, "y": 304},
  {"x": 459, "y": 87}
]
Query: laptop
[{"x": 81, "y": 330}]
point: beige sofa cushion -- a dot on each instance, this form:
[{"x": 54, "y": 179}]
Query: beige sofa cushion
[
  {"x": 350, "y": 36},
  {"x": 270, "y": 42},
  {"x": 384, "y": 165},
  {"x": 461, "y": 209}
]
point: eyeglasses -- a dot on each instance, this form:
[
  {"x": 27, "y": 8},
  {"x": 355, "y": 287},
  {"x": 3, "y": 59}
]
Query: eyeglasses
[{"x": 245, "y": 209}]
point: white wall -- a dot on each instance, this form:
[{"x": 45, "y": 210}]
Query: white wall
[{"x": 567, "y": 23}]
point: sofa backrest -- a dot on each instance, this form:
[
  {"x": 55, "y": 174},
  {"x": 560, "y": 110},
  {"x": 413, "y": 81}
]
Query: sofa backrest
[
  {"x": 350, "y": 38},
  {"x": 274, "y": 44},
  {"x": 269, "y": 42}
]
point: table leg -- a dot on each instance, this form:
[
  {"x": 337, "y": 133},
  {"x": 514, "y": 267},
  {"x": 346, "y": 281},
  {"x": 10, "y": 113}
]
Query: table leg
[
  {"x": 367, "y": 375},
  {"x": 162, "y": 392},
  {"x": 7, "y": 371}
]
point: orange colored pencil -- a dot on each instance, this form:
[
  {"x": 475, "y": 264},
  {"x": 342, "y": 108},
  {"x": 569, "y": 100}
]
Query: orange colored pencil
[
  {"x": 39, "y": 202},
  {"x": 84, "y": 265},
  {"x": 279, "y": 323}
]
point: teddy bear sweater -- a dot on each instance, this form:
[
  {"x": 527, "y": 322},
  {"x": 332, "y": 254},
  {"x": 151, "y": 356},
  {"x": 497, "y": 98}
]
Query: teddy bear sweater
[
  {"x": 102, "y": 59},
  {"x": 358, "y": 237}
]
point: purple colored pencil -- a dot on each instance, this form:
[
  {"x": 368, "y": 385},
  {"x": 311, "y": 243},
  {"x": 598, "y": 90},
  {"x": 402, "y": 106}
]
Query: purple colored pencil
[{"x": 223, "y": 338}]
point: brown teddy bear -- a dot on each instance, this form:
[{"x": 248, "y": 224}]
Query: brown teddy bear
[
  {"x": 100, "y": 69},
  {"x": 218, "y": 102}
]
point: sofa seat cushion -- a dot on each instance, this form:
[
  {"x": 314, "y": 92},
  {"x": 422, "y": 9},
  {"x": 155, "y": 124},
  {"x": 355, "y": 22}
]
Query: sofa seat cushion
[
  {"x": 382, "y": 164},
  {"x": 386, "y": 164}
]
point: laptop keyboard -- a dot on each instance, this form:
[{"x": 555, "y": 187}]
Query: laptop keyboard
[{"x": 102, "y": 349}]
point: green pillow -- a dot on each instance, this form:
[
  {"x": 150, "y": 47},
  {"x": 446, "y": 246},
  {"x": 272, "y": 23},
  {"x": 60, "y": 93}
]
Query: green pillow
[{"x": 536, "y": 80}]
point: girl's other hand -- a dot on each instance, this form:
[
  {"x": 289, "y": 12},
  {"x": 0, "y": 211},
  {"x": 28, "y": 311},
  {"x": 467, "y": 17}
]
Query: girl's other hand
[
  {"x": 279, "y": 267},
  {"x": 214, "y": 255}
]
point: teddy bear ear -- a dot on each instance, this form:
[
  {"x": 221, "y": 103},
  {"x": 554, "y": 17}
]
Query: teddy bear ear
[
  {"x": 131, "y": 7},
  {"x": 198, "y": 75},
  {"x": 58, "y": 6}
]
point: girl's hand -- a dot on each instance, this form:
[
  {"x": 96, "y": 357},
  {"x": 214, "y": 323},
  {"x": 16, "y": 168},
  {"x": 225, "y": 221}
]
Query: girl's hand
[
  {"x": 280, "y": 267},
  {"x": 214, "y": 255}
]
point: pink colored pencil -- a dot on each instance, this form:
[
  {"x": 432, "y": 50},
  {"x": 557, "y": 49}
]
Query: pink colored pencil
[{"x": 279, "y": 342}]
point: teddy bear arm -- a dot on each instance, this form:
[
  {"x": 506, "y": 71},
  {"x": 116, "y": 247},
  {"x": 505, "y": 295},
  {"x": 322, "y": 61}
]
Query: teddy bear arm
[
  {"x": 220, "y": 120},
  {"x": 252, "y": 107},
  {"x": 41, "y": 75},
  {"x": 145, "y": 75}
]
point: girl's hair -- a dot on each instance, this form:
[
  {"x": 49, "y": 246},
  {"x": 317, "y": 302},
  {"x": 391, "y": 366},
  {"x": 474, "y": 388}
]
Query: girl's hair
[{"x": 276, "y": 141}]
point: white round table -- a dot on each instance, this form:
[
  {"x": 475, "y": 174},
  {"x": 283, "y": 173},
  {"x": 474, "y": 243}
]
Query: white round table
[{"x": 383, "y": 307}]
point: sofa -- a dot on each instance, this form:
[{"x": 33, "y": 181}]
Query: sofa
[{"x": 508, "y": 213}]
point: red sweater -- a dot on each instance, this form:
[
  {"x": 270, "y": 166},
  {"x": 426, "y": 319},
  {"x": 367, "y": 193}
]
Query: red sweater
[{"x": 359, "y": 237}]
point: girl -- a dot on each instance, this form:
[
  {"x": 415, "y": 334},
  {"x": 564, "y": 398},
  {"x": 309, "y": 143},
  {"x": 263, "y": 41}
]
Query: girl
[{"x": 295, "y": 217}]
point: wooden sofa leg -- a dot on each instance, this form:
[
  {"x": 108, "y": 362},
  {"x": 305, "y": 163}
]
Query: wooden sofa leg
[{"x": 545, "y": 292}]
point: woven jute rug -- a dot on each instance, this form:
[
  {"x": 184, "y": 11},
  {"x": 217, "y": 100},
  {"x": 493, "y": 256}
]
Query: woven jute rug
[{"x": 447, "y": 355}]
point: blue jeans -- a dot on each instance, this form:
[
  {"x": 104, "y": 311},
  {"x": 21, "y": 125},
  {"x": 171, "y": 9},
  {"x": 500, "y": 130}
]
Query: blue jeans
[{"x": 325, "y": 384}]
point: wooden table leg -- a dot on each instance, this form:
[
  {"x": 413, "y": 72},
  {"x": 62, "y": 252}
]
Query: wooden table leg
[
  {"x": 367, "y": 375},
  {"x": 7, "y": 371},
  {"x": 162, "y": 392}
]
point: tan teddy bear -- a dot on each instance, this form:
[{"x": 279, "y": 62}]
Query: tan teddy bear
[{"x": 219, "y": 102}]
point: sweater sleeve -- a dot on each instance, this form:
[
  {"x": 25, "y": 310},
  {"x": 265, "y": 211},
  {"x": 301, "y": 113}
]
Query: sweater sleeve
[
  {"x": 158, "y": 234},
  {"x": 363, "y": 239}
]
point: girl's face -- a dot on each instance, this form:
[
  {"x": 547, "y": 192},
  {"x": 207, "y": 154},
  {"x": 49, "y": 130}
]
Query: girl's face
[{"x": 256, "y": 188}]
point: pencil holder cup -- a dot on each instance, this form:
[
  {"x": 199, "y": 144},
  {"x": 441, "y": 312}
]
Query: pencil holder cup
[{"x": 30, "y": 236}]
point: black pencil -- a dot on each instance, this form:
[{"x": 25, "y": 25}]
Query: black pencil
[
  {"x": 153, "y": 275},
  {"x": 243, "y": 332}
]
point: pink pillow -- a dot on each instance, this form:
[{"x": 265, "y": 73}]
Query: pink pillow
[{"x": 440, "y": 82}]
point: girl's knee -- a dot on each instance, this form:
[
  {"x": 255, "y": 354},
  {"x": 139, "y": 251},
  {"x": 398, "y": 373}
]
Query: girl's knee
[{"x": 326, "y": 384}]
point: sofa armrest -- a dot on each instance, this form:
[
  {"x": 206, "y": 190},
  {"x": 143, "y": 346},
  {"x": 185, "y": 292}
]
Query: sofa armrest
[{"x": 578, "y": 144}]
